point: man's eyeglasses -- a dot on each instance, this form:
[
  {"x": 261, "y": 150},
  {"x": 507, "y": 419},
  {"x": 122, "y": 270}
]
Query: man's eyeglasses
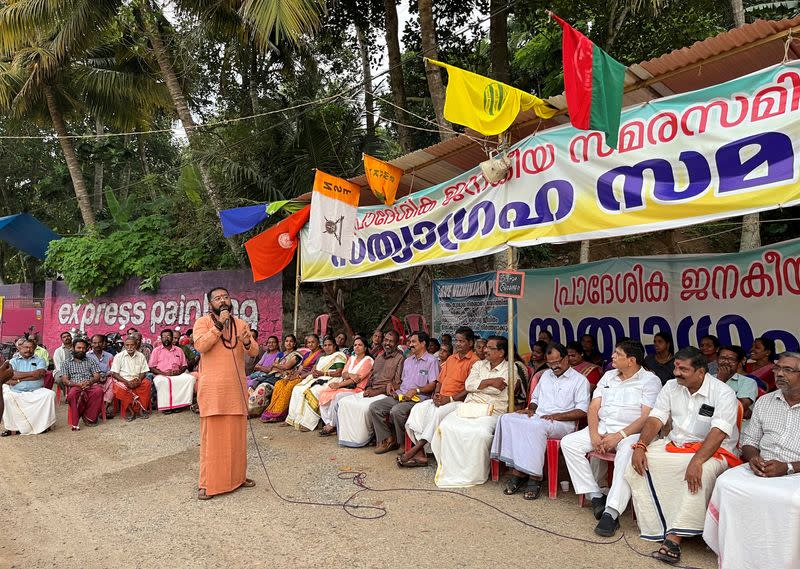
[
  {"x": 732, "y": 359},
  {"x": 784, "y": 369},
  {"x": 220, "y": 297}
]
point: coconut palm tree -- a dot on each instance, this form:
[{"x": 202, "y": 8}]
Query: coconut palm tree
[{"x": 57, "y": 62}]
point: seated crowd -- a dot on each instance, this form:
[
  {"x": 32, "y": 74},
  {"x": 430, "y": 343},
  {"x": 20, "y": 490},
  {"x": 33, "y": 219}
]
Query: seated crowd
[{"x": 693, "y": 450}]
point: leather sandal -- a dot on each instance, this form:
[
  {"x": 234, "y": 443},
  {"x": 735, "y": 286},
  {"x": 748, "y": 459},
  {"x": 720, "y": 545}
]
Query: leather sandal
[{"x": 248, "y": 483}]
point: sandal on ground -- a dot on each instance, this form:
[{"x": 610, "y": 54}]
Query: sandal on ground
[
  {"x": 411, "y": 462},
  {"x": 669, "y": 552},
  {"x": 195, "y": 408},
  {"x": 532, "y": 490},
  {"x": 248, "y": 483},
  {"x": 75, "y": 427},
  {"x": 6, "y": 433},
  {"x": 201, "y": 495},
  {"x": 144, "y": 415},
  {"x": 130, "y": 417},
  {"x": 327, "y": 432},
  {"x": 514, "y": 484}
]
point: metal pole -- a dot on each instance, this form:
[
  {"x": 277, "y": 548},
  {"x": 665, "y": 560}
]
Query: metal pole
[
  {"x": 511, "y": 368},
  {"x": 297, "y": 288}
]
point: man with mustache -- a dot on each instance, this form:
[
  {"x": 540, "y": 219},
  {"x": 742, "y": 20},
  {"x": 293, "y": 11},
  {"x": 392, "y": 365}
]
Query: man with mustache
[
  {"x": 762, "y": 493},
  {"x": 671, "y": 479},
  {"x": 174, "y": 385},
  {"x": 81, "y": 377},
  {"x": 223, "y": 341},
  {"x": 30, "y": 408},
  {"x": 730, "y": 363},
  {"x": 129, "y": 369}
]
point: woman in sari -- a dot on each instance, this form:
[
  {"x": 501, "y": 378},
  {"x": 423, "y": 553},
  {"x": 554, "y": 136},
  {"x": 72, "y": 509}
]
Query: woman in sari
[
  {"x": 304, "y": 405},
  {"x": 662, "y": 362},
  {"x": 590, "y": 371},
  {"x": 355, "y": 375},
  {"x": 760, "y": 367},
  {"x": 261, "y": 390},
  {"x": 709, "y": 346},
  {"x": 264, "y": 365},
  {"x": 282, "y": 392}
]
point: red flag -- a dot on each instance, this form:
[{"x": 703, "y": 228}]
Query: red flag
[{"x": 272, "y": 250}]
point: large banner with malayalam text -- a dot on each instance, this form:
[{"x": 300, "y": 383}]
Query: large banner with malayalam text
[
  {"x": 709, "y": 154},
  {"x": 737, "y": 297}
]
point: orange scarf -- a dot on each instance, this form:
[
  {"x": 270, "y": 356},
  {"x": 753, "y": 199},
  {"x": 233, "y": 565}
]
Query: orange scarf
[{"x": 728, "y": 456}]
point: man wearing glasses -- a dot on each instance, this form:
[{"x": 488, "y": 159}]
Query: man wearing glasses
[
  {"x": 559, "y": 401},
  {"x": 731, "y": 360},
  {"x": 620, "y": 405},
  {"x": 763, "y": 493}
]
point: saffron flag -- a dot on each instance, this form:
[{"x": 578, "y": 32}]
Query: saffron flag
[
  {"x": 269, "y": 252},
  {"x": 383, "y": 179},
  {"x": 485, "y": 105},
  {"x": 333, "y": 214},
  {"x": 593, "y": 82}
]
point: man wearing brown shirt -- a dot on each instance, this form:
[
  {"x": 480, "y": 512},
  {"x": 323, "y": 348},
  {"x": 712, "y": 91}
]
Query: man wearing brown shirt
[
  {"x": 355, "y": 426},
  {"x": 426, "y": 416}
]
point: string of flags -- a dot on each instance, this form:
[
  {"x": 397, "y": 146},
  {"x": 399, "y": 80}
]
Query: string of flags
[{"x": 593, "y": 82}]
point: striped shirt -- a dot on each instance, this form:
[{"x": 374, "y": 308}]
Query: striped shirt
[{"x": 80, "y": 371}]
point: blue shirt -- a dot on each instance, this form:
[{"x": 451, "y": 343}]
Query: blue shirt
[
  {"x": 104, "y": 361},
  {"x": 23, "y": 365},
  {"x": 418, "y": 372}
]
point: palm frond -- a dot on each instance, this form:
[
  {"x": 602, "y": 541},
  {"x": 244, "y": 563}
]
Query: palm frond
[{"x": 282, "y": 19}]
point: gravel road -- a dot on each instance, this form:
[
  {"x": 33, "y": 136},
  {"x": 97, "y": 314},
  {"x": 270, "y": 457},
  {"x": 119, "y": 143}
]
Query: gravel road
[{"x": 124, "y": 495}]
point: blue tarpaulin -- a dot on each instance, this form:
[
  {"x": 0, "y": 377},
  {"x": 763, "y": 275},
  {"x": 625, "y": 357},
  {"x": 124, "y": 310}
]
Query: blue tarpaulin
[{"x": 26, "y": 233}]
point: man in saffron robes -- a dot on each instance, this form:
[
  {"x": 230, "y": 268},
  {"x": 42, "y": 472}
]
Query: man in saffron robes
[{"x": 222, "y": 397}]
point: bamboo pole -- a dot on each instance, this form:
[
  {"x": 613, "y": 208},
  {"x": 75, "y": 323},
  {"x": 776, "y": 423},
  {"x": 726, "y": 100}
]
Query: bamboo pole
[
  {"x": 297, "y": 288},
  {"x": 511, "y": 367}
]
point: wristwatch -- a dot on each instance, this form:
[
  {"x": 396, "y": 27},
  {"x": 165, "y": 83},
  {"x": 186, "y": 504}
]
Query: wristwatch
[{"x": 789, "y": 468}]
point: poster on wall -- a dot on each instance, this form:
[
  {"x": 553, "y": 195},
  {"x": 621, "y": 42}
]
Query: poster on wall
[
  {"x": 469, "y": 301},
  {"x": 736, "y": 297},
  {"x": 179, "y": 301}
]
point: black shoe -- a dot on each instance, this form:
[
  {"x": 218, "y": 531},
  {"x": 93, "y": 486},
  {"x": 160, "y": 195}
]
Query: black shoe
[
  {"x": 607, "y": 526},
  {"x": 598, "y": 507}
]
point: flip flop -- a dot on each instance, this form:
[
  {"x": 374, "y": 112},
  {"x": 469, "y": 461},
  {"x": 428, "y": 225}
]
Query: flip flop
[
  {"x": 201, "y": 495},
  {"x": 325, "y": 432},
  {"x": 411, "y": 463},
  {"x": 532, "y": 490},
  {"x": 669, "y": 552},
  {"x": 514, "y": 484},
  {"x": 248, "y": 483}
]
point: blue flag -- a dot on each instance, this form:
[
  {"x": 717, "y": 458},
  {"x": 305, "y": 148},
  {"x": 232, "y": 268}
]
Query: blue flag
[{"x": 241, "y": 219}]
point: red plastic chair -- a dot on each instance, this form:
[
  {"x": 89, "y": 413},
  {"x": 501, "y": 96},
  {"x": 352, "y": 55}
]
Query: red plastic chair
[
  {"x": 553, "y": 445},
  {"x": 397, "y": 326},
  {"x": 321, "y": 324},
  {"x": 609, "y": 458},
  {"x": 416, "y": 323}
]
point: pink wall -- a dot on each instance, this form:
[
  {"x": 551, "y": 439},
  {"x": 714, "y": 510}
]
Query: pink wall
[{"x": 180, "y": 300}]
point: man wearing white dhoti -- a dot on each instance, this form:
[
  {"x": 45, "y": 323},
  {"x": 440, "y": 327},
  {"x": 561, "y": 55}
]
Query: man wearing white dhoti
[
  {"x": 559, "y": 401},
  {"x": 175, "y": 387},
  {"x": 672, "y": 479},
  {"x": 620, "y": 405},
  {"x": 448, "y": 390},
  {"x": 30, "y": 408},
  {"x": 354, "y": 422},
  {"x": 463, "y": 439},
  {"x": 765, "y": 493}
]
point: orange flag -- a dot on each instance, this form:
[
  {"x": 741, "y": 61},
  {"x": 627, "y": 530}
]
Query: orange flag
[
  {"x": 272, "y": 250},
  {"x": 383, "y": 178}
]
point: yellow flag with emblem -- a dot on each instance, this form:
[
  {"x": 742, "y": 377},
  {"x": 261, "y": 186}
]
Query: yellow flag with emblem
[{"x": 485, "y": 105}]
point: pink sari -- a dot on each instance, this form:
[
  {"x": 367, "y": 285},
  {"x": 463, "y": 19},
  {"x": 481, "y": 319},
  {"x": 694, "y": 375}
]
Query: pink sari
[
  {"x": 589, "y": 370},
  {"x": 362, "y": 368}
]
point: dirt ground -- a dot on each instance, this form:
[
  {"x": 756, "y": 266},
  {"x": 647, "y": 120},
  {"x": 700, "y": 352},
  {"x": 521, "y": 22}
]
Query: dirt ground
[{"x": 124, "y": 495}]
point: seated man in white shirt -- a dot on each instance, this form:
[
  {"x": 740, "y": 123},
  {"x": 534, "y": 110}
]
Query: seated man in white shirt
[
  {"x": 62, "y": 354},
  {"x": 762, "y": 494},
  {"x": 672, "y": 479},
  {"x": 30, "y": 408},
  {"x": 620, "y": 405},
  {"x": 559, "y": 401},
  {"x": 462, "y": 442}
]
